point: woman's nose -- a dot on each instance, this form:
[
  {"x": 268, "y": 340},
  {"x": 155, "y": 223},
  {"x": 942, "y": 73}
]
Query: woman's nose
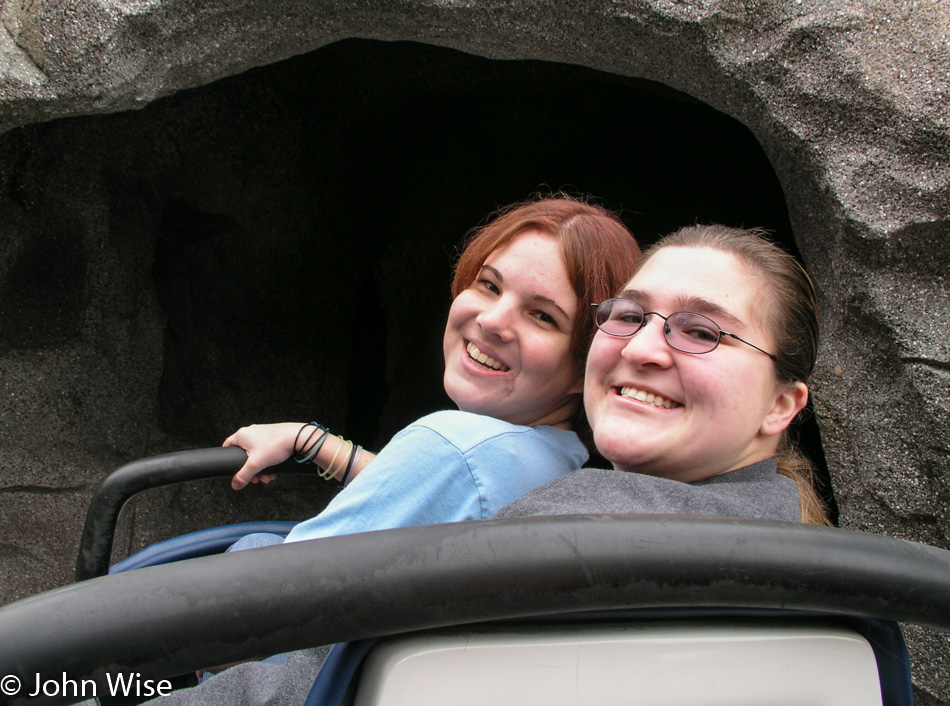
[
  {"x": 497, "y": 319},
  {"x": 648, "y": 346}
]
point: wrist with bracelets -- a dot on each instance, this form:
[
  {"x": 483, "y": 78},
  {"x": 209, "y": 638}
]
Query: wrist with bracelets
[
  {"x": 308, "y": 451},
  {"x": 311, "y": 447}
]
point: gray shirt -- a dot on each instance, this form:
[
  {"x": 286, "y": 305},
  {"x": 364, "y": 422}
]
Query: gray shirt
[{"x": 757, "y": 491}]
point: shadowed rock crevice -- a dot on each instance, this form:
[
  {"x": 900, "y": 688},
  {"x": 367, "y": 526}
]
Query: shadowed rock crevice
[
  {"x": 41, "y": 490},
  {"x": 12, "y": 551},
  {"x": 43, "y": 288}
]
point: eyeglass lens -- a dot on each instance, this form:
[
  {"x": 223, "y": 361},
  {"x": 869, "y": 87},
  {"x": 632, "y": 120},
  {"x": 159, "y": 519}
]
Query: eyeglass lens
[{"x": 684, "y": 331}]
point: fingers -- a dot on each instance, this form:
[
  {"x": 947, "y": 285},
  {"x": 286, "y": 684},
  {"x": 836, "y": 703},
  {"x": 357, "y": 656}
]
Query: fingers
[
  {"x": 247, "y": 474},
  {"x": 266, "y": 445}
]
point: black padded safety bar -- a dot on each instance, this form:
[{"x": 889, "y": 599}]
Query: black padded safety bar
[
  {"x": 168, "y": 620},
  {"x": 95, "y": 546}
]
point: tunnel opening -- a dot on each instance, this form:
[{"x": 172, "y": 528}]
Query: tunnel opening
[{"x": 300, "y": 221}]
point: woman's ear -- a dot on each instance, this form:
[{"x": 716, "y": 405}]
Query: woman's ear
[{"x": 790, "y": 400}]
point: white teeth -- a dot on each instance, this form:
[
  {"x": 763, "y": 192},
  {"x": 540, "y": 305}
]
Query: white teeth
[
  {"x": 485, "y": 360},
  {"x": 648, "y": 397}
]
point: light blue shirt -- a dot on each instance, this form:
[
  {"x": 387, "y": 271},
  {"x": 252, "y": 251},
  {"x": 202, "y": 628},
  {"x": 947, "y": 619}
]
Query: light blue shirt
[{"x": 449, "y": 466}]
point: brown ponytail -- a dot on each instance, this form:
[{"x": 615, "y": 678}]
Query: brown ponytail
[{"x": 793, "y": 464}]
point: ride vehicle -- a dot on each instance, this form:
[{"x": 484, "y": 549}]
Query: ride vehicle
[{"x": 558, "y": 610}]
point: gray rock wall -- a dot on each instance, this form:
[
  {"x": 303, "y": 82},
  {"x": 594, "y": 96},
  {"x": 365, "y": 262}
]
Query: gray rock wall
[{"x": 150, "y": 259}]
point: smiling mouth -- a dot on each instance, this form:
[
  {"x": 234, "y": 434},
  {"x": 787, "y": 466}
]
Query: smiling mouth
[
  {"x": 485, "y": 360},
  {"x": 648, "y": 397}
]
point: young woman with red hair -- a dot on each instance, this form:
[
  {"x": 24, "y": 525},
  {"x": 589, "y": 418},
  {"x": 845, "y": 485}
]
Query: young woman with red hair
[{"x": 514, "y": 346}]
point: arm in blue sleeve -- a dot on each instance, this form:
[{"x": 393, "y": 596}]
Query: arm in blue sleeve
[{"x": 419, "y": 478}]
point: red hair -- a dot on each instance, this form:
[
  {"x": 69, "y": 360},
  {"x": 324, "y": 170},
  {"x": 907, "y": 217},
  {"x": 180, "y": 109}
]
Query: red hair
[{"x": 599, "y": 252}]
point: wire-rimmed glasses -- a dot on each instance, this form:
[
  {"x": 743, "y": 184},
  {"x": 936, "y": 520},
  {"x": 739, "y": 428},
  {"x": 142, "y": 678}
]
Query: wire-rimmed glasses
[{"x": 683, "y": 330}]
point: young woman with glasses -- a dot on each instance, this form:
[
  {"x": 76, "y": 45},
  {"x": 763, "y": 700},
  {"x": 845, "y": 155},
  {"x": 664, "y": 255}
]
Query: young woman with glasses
[
  {"x": 697, "y": 372},
  {"x": 515, "y": 343}
]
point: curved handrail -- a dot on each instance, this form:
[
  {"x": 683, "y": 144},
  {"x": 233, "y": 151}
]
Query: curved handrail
[
  {"x": 168, "y": 620},
  {"x": 95, "y": 546}
]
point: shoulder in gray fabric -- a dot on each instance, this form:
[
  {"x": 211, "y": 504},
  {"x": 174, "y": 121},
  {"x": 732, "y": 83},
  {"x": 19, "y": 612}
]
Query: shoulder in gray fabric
[{"x": 755, "y": 491}]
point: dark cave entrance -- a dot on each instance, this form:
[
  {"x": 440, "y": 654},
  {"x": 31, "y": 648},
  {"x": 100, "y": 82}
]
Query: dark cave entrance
[{"x": 298, "y": 194}]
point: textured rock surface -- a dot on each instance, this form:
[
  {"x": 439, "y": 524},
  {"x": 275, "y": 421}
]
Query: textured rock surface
[{"x": 149, "y": 261}]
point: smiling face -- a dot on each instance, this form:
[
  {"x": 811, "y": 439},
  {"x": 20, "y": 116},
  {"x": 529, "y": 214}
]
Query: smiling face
[
  {"x": 659, "y": 411},
  {"x": 507, "y": 342}
]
